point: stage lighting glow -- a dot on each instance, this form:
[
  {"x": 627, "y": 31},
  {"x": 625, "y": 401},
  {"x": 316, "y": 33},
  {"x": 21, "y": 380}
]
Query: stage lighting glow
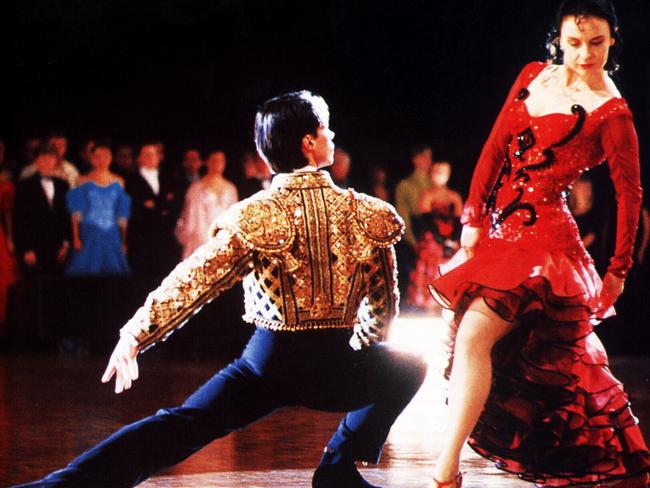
[
  {"x": 421, "y": 426},
  {"x": 425, "y": 335}
]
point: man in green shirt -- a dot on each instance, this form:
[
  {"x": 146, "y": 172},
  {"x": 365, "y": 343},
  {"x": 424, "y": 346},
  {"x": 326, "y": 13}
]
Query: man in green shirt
[{"x": 407, "y": 203}]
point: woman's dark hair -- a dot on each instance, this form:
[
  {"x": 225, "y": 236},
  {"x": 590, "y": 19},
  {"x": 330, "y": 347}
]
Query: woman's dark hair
[
  {"x": 603, "y": 9},
  {"x": 102, "y": 146},
  {"x": 282, "y": 122},
  {"x": 101, "y": 143}
]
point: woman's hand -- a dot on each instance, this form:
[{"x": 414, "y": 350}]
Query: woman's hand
[
  {"x": 123, "y": 365},
  {"x": 30, "y": 258},
  {"x": 63, "y": 252},
  {"x": 612, "y": 289},
  {"x": 469, "y": 238}
]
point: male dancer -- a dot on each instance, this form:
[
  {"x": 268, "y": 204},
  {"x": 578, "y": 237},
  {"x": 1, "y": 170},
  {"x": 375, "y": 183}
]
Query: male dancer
[{"x": 318, "y": 270}]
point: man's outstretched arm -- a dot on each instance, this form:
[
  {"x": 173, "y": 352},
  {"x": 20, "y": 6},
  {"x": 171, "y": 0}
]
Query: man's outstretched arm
[{"x": 211, "y": 269}]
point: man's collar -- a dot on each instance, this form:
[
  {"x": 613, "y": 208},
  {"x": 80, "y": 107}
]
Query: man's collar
[
  {"x": 301, "y": 179},
  {"x": 304, "y": 169}
]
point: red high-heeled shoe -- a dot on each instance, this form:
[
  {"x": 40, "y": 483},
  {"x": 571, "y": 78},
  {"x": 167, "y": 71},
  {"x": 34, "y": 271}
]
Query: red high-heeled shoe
[{"x": 457, "y": 482}]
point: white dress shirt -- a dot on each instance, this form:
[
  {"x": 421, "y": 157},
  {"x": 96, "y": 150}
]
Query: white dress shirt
[
  {"x": 48, "y": 188},
  {"x": 150, "y": 175}
]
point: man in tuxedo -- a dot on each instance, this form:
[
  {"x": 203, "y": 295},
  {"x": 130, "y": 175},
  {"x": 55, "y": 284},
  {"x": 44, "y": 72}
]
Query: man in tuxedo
[
  {"x": 156, "y": 203},
  {"x": 64, "y": 169},
  {"x": 41, "y": 221}
]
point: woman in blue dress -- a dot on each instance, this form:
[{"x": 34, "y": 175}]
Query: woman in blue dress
[{"x": 100, "y": 210}]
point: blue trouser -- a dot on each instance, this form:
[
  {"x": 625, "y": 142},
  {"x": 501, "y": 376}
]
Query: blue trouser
[{"x": 314, "y": 369}]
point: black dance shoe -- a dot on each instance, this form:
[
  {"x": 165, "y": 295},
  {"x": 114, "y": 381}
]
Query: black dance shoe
[{"x": 339, "y": 475}]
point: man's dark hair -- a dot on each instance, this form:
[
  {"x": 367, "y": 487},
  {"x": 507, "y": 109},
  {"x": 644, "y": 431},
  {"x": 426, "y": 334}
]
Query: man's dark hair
[
  {"x": 45, "y": 149},
  {"x": 418, "y": 149},
  {"x": 147, "y": 142},
  {"x": 282, "y": 122}
]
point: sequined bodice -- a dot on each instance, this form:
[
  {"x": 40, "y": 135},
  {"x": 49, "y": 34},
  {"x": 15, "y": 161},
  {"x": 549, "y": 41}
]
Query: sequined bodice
[
  {"x": 100, "y": 206},
  {"x": 543, "y": 156}
]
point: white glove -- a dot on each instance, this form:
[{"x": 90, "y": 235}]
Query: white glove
[{"x": 365, "y": 335}]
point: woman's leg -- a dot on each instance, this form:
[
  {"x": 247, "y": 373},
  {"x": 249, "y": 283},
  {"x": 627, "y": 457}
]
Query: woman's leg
[{"x": 471, "y": 378}]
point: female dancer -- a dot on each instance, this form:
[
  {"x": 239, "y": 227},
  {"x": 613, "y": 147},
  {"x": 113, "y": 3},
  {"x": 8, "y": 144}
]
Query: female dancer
[
  {"x": 438, "y": 235},
  {"x": 100, "y": 210},
  {"x": 553, "y": 413},
  {"x": 205, "y": 200}
]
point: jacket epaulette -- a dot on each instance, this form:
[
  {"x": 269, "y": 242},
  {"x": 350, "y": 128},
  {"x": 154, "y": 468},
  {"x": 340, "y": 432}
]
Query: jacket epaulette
[
  {"x": 261, "y": 221},
  {"x": 378, "y": 225}
]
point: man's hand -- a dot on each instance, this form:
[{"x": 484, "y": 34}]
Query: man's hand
[
  {"x": 365, "y": 335},
  {"x": 123, "y": 364},
  {"x": 469, "y": 238}
]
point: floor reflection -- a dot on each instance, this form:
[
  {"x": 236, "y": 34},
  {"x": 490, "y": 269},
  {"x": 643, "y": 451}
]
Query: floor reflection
[{"x": 53, "y": 407}]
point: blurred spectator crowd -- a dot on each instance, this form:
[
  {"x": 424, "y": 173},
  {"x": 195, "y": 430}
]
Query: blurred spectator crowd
[{"x": 128, "y": 211}]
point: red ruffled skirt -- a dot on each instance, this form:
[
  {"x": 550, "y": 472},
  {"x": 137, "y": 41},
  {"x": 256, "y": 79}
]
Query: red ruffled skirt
[{"x": 555, "y": 415}]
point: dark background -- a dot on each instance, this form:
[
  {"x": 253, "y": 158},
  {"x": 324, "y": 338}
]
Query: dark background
[
  {"x": 395, "y": 73},
  {"x": 193, "y": 72}
]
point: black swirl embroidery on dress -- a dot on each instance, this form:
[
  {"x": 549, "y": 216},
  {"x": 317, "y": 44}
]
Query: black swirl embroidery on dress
[
  {"x": 549, "y": 155},
  {"x": 523, "y": 94},
  {"x": 514, "y": 206},
  {"x": 497, "y": 218},
  {"x": 525, "y": 140}
]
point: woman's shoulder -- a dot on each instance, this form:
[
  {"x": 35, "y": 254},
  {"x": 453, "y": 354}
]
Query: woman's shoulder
[
  {"x": 611, "y": 103},
  {"x": 532, "y": 69},
  {"x": 82, "y": 180},
  {"x": 453, "y": 194},
  {"x": 611, "y": 89},
  {"x": 230, "y": 185},
  {"x": 197, "y": 190},
  {"x": 198, "y": 186},
  {"x": 118, "y": 179}
]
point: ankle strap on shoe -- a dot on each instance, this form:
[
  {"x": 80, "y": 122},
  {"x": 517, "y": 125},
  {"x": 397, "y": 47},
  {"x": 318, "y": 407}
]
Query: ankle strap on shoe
[{"x": 457, "y": 481}]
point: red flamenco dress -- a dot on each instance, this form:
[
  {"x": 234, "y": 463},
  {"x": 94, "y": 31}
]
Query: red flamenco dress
[
  {"x": 8, "y": 268},
  {"x": 555, "y": 415},
  {"x": 438, "y": 233}
]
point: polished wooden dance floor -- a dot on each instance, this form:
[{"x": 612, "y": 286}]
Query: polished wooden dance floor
[{"x": 53, "y": 407}]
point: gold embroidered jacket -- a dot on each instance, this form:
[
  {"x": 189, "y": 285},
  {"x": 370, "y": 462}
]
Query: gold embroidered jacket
[{"x": 311, "y": 256}]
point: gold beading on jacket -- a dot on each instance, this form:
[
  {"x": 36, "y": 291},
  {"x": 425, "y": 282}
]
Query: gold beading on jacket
[{"x": 311, "y": 256}]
